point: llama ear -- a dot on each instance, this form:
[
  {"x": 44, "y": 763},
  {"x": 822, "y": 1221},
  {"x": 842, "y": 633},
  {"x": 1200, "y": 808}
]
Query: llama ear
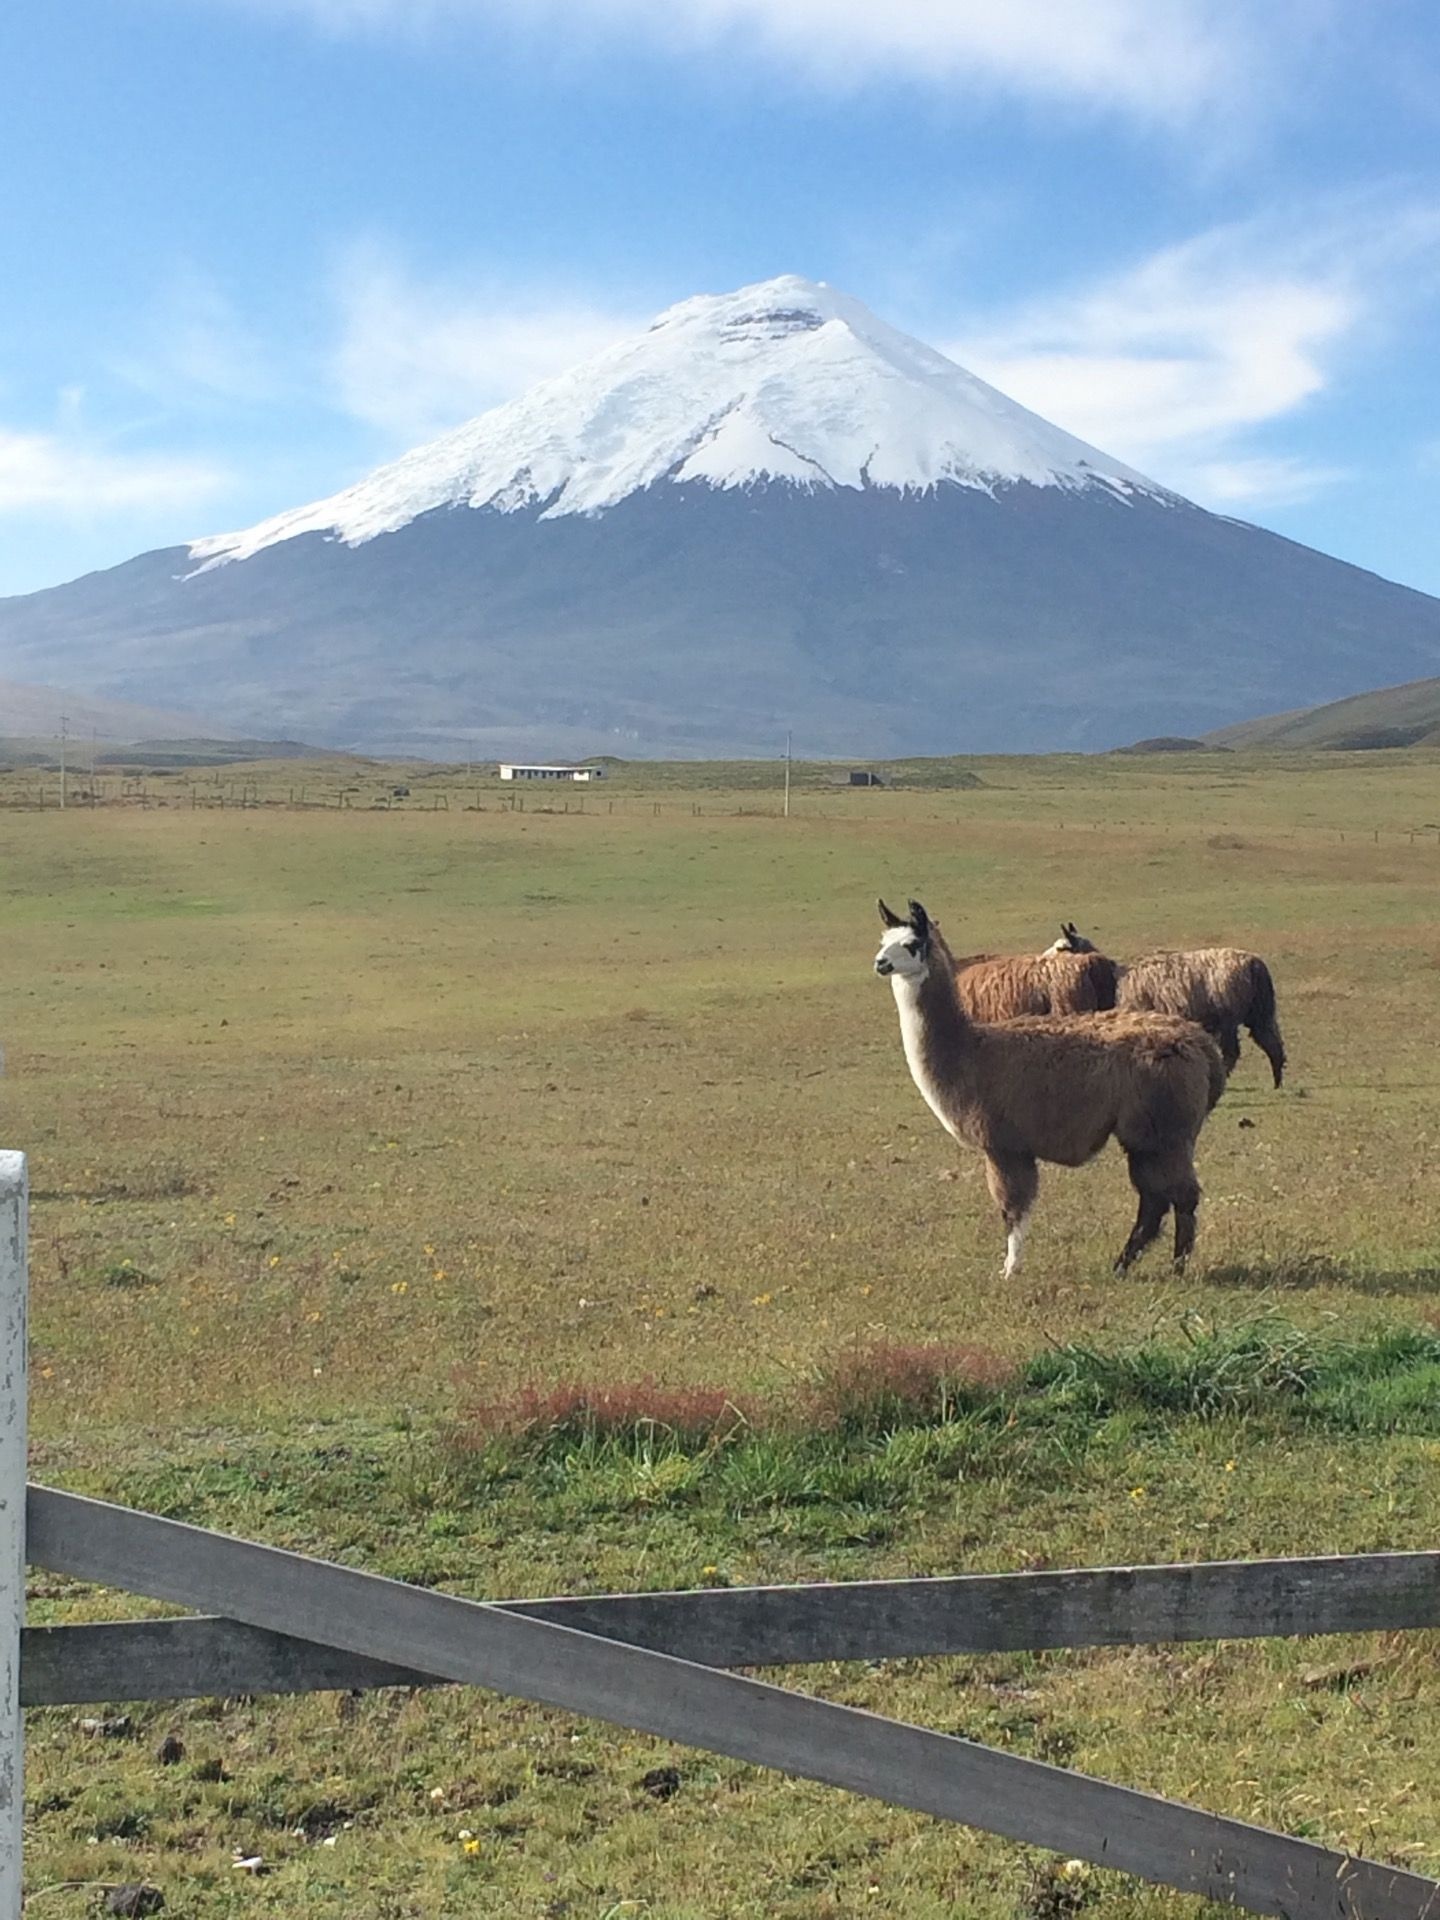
[
  {"x": 919, "y": 920},
  {"x": 887, "y": 918},
  {"x": 1069, "y": 929}
]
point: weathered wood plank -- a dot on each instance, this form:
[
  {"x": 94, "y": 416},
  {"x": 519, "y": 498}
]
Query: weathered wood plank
[
  {"x": 467, "y": 1641},
  {"x": 1005, "y": 1612},
  {"x": 780, "y": 1626},
  {"x": 189, "y": 1659}
]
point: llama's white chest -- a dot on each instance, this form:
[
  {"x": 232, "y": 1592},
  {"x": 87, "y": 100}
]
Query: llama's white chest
[{"x": 916, "y": 1056}]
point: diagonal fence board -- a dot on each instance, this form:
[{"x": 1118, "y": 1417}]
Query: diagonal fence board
[
  {"x": 471, "y": 1642},
  {"x": 781, "y": 1626}
]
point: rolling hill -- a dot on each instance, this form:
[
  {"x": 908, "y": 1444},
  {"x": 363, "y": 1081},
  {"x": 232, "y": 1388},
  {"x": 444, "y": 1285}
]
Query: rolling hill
[{"x": 1404, "y": 716}]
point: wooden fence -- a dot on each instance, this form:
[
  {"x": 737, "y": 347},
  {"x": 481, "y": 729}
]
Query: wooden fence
[{"x": 657, "y": 1663}]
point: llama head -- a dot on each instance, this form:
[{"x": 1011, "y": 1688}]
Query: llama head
[
  {"x": 1071, "y": 940},
  {"x": 905, "y": 944}
]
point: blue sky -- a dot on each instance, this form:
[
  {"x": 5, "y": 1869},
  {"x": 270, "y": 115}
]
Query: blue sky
[{"x": 250, "y": 248}]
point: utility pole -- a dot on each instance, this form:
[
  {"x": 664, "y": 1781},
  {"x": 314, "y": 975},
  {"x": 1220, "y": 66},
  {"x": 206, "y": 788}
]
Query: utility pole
[
  {"x": 64, "y": 723},
  {"x": 788, "y": 738}
]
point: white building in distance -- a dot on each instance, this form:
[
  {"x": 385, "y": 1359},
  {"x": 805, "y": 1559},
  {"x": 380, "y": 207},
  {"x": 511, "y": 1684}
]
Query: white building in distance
[{"x": 509, "y": 770}]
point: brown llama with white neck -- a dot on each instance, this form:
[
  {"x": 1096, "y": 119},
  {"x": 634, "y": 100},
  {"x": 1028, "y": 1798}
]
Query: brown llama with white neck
[
  {"x": 1054, "y": 1088},
  {"x": 1005, "y": 986},
  {"x": 1221, "y": 988}
]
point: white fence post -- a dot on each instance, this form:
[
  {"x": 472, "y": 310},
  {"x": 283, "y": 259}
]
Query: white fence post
[{"x": 13, "y": 1363}]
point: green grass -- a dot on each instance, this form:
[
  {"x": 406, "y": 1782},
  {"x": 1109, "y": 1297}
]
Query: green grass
[
  {"x": 345, "y": 1125},
  {"x": 1085, "y": 1457}
]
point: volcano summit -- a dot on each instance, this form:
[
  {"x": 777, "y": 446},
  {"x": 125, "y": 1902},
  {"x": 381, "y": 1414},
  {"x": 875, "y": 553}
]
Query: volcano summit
[{"x": 769, "y": 510}]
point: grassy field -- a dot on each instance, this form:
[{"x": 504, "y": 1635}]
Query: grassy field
[{"x": 345, "y": 1123}]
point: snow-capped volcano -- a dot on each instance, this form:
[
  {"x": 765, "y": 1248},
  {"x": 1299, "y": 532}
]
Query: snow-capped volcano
[
  {"x": 768, "y": 510},
  {"x": 786, "y": 380}
]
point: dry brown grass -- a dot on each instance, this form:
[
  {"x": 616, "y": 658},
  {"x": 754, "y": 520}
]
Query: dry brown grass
[{"x": 367, "y": 1096}]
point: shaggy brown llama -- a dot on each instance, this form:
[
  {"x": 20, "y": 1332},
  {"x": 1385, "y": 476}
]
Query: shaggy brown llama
[
  {"x": 1221, "y": 988},
  {"x": 1054, "y": 1087},
  {"x": 1003, "y": 986}
]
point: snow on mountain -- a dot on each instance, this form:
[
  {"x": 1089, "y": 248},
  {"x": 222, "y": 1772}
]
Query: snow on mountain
[{"x": 786, "y": 380}]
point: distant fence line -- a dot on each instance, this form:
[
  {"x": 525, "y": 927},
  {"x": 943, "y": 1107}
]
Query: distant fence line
[{"x": 20, "y": 793}]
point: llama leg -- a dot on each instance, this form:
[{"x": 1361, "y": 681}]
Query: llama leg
[
  {"x": 1147, "y": 1176},
  {"x": 1014, "y": 1244},
  {"x": 1013, "y": 1180},
  {"x": 1185, "y": 1199},
  {"x": 1184, "y": 1231},
  {"x": 1149, "y": 1218},
  {"x": 1163, "y": 1181},
  {"x": 1228, "y": 1041}
]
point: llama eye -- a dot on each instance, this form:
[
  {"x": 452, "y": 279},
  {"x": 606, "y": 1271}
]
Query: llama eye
[{"x": 911, "y": 946}]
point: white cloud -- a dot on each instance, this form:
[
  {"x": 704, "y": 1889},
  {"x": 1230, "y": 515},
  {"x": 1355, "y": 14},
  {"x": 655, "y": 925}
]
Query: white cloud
[
  {"x": 1164, "y": 358},
  {"x": 1175, "y": 362},
  {"x": 67, "y": 473},
  {"x": 1153, "y": 58},
  {"x": 1156, "y": 60},
  {"x": 415, "y": 357}
]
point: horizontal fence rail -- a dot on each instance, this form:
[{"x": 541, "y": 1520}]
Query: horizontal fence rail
[
  {"x": 535, "y": 1659},
  {"x": 783, "y": 1626}
]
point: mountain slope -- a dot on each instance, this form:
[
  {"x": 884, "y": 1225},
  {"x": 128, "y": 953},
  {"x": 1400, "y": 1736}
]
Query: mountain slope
[
  {"x": 1406, "y": 716},
  {"x": 770, "y": 510},
  {"x": 31, "y": 713}
]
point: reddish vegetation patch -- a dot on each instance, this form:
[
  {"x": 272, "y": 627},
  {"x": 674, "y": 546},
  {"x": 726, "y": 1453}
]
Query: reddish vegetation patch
[
  {"x": 584, "y": 1408},
  {"x": 866, "y": 1389},
  {"x": 888, "y": 1384}
]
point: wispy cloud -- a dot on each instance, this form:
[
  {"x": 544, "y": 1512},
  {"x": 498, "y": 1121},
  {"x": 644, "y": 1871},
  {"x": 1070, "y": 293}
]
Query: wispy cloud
[
  {"x": 1177, "y": 362},
  {"x": 66, "y": 472},
  {"x": 1153, "y": 60},
  {"x": 193, "y": 349},
  {"x": 1261, "y": 481},
  {"x": 415, "y": 356}
]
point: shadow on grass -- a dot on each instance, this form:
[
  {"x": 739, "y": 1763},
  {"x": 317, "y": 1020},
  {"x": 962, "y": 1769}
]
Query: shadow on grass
[
  {"x": 150, "y": 1183},
  {"x": 1299, "y": 1273}
]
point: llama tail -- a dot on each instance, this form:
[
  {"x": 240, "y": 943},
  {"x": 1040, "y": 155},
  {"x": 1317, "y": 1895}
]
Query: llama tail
[{"x": 1261, "y": 1020}]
